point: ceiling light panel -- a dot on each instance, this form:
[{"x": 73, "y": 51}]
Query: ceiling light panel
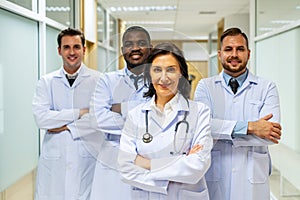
[{"x": 142, "y": 8}]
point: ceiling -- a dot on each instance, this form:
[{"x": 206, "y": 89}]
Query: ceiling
[
  {"x": 196, "y": 19},
  {"x": 193, "y": 19}
]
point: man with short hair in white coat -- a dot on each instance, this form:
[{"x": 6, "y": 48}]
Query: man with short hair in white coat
[
  {"x": 115, "y": 94},
  {"x": 245, "y": 120},
  {"x": 65, "y": 168}
]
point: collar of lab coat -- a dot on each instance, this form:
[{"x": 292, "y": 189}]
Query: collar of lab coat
[
  {"x": 251, "y": 79},
  {"x": 179, "y": 109},
  {"x": 125, "y": 73},
  {"x": 180, "y": 105},
  {"x": 83, "y": 72}
]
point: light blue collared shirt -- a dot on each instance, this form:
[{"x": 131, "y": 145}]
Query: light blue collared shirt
[
  {"x": 241, "y": 127},
  {"x": 240, "y": 79}
]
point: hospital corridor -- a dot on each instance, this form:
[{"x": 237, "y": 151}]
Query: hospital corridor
[{"x": 106, "y": 47}]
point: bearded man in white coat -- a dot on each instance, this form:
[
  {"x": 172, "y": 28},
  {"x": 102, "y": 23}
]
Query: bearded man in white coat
[{"x": 245, "y": 120}]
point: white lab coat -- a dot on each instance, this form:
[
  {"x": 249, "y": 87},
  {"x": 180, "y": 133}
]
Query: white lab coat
[
  {"x": 241, "y": 165},
  {"x": 113, "y": 87},
  {"x": 173, "y": 175},
  {"x": 65, "y": 168}
]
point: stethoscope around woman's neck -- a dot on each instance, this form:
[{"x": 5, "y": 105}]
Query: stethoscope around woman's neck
[{"x": 147, "y": 137}]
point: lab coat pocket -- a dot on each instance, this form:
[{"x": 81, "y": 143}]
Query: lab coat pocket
[
  {"x": 51, "y": 147},
  {"x": 137, "y": 193},
  {"x": 213, "y": 173},
  {"x": 258, "y": 167},
  {"x": 254, "y": 109},
  {"x": 185, "y": 194}
]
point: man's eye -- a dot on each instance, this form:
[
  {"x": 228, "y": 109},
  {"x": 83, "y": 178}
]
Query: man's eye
[
  {"x": 127, "y": 45},
  {"x": 77, "y": 47},
  {"x": 142, "y": 43}
]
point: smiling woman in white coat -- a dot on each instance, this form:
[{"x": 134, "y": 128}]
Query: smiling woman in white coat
[{"x": 166, "y": 142}]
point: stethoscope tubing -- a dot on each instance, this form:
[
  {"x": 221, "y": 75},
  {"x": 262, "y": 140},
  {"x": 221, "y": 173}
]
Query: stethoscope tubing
[{"x": 147, "y": 137}]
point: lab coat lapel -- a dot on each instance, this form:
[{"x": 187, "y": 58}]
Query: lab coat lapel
[
  {"x": 220, "y": 80},
  {"x": 152, "y": 116},
  {"x": 60, "y": 76},
  {"x": 217, "y": 95},
  {"x": 178, "y": 111},
  {"x": 127, "y": 79},
  {"x": 251, "y": 79},
  {"x": 81, "y": 76}
]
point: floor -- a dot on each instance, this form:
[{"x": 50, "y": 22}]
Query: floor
[
  {"x": 290, "y": 192},
  {"x": 25, "y": 187}
]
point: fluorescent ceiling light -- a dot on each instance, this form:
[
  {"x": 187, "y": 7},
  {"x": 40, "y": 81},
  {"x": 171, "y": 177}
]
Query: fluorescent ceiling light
[
  {"x": 142, "y": 8},
  {"x": 151, "y": 22},
  {"x": 298, "y": 7},
  {"x": 58, "y": 9},
  {"x": 265, "y": 29},
  {"x": 160, "y": 29},
  {"x": 207, "y": 12},
  {"x": 282, "y": 21}
]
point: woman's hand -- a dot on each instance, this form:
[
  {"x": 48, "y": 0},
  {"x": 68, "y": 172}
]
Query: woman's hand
[
  {"x": 142, "y": 162},
  {"x": 195, "y": 149}
]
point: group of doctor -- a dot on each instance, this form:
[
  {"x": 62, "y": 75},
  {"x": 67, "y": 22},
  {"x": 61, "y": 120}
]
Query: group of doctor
[{"x": 151, "y": 140}]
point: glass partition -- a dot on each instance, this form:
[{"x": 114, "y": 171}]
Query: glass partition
[
  {"x": 102, "y": 59},
  {"x": 101, "y": 24},
  {"x": 29, "y": 4},
  {"x": 61, "y": 11},
  {"x": 112, "y": 32},
  {"x": 18, "y": 78},
  {"x": 112, "y": 61},
  {"x": 274, "y": 14},
  {"x": 53, "y": 60}
]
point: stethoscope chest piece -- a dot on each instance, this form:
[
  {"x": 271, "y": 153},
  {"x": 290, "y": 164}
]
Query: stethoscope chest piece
[{"x": 147, "y": 137}]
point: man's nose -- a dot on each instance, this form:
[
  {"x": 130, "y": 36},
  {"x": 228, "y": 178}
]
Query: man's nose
[
  {"x": 234, "y": 53},
  {"x": 135, "y": 46}
]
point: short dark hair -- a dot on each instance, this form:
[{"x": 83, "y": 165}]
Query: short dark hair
[
  {"x": 70, "y": 32},
  {"x": 136, "y": 28},
  {"x": 233, "y": 32},
  {"x": 165, "y": 48}
]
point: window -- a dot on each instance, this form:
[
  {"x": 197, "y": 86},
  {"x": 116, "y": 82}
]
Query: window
[
  {"x": 61, "y": 11},
  {"x": 101, "y": 24},
  {"x": 271, "y": 15},
  {"x": 25, "y": 3},
  {"x": 112, "y": 32}
]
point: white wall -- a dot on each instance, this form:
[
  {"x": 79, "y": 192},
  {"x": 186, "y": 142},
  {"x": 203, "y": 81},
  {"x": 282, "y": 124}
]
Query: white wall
[
  {"x": 238, "y": 20},
  {"x": 194, "y": 51}
]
